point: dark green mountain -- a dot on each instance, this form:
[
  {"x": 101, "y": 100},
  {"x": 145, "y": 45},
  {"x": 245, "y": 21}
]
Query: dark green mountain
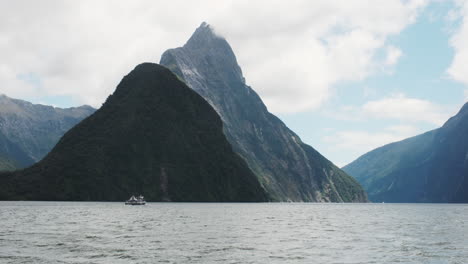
[
  {"x": 289, "y": 169},
  {"x": 432, "y": 167},
  {"x": 32, "y": 130},
  {"x": 153, "y": 136}
]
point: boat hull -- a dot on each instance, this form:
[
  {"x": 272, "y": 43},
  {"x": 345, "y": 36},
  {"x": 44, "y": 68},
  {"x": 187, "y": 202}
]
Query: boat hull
[{"x": 135, "y": 203}]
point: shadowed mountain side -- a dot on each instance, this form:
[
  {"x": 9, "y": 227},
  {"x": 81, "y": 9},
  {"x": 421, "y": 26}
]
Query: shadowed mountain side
[
  {"x": 431, "y": 167},
  {"x": 153, "y": 136}
]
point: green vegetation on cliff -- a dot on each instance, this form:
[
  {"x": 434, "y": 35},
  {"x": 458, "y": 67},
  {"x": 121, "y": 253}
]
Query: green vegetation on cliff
[{"x": 153, "y": 136}]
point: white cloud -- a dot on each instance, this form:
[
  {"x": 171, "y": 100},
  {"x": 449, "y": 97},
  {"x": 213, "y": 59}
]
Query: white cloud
[
  {"x": 393, "y": 55},
  {"x": 359, "y": 142},
  {"x": 404, "y": 108},
  {"x": 366, "y": 141},
  {"x": 397, "y": 107},
  {"x": 292, "y": 52},
  {"x": 465, "y": 93},
  {"x": 403, "y": 129},
  {"x": 458, "y": 70},
  {"x": 320, "y": 44},
  {"x": 382, "y": 121}
]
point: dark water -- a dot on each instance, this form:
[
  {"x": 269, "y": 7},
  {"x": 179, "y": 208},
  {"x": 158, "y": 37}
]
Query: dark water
[{"x": 46, "y": 232}]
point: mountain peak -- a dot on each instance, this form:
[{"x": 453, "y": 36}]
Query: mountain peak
[
  {"x": 203, "y": 36},
  {"x": 289, "y": 169},
  {"x": 205, "y": 54}
]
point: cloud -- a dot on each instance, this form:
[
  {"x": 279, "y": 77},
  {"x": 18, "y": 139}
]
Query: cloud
[
  {"x": 404, "y": 108},
  {"x": 458, "y": 69},
  {"x": 382, "y": 121},
  {"x": 291, "y": 52},
  {"x": 393, "y": 54},
  {"x": 358, "y": 142},
  {"x": 319, "y": 45},
  {"x": 397, "y": 107},
  {"x": 360, "y": 139}
]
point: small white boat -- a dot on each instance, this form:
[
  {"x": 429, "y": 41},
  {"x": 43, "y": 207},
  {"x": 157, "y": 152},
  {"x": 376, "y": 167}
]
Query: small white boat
[{"x": 140, "y": 200}]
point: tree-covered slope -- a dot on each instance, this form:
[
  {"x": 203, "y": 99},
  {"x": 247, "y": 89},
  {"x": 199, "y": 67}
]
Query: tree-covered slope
[
  {"x": 153, "y": 136},
  {"x": 373, "y": 167},
  {"x": 289, "y": 169},
  {"x": 432, "y": 167}
]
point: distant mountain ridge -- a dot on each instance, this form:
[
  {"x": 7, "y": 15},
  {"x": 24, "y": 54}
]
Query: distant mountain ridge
[
  {"x": 153, "y": 136},
  {"x": 431, "y": 167},
  {"x": 11, "y": 156},
  {"x": 33, "y": 129},
  {"x": 289, "y": 169}
]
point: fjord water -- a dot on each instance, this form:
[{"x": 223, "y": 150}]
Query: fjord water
[{"x": 76, "y": 232}]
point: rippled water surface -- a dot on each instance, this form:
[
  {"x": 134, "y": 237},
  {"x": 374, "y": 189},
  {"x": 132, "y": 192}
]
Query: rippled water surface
[{"x": 66, "y": 232}]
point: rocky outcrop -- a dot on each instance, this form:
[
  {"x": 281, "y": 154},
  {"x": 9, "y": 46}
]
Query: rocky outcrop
[{"x": 289, "y": 169}]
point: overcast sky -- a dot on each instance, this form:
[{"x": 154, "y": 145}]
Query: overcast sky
[{"x": 347, "y": 76}]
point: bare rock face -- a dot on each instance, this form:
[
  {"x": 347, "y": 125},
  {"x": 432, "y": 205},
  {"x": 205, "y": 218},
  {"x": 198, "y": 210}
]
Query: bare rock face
[
  {"x": 431, "y": 167},
  {"x": 34, "y": 129},
  {"x": 288, "y": 169}
]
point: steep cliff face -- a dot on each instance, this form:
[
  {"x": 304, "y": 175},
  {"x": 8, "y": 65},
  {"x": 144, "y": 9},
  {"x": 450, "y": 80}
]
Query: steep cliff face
[
  {"x": 153, "y": 136},
  {"x": 432, "y": 167},
  {"x": 35, "y": 129},
  {"x": 289, "y": 169}
]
